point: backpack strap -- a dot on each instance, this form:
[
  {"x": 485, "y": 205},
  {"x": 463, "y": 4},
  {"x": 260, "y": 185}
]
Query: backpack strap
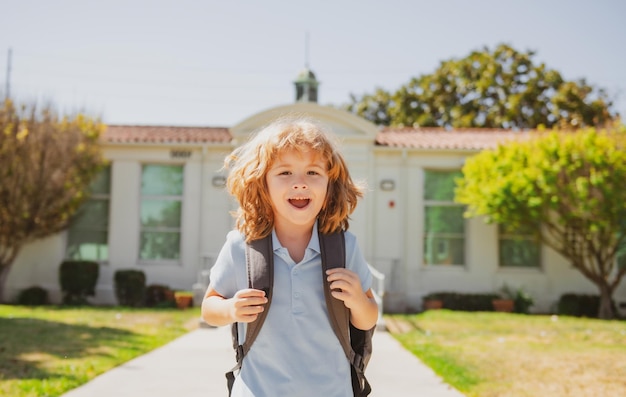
[
  {"x": 333, "y": 250},
  {"x": 260, "y": 271},
  {"x": 353, "y": 340}
]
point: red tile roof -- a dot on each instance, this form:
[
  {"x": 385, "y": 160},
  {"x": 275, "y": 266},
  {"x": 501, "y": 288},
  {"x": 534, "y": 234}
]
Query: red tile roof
[
  {"x": 440, "y": 138},
  {"x": 399, "y": 137},
  {"x": 165, "y": 134}
]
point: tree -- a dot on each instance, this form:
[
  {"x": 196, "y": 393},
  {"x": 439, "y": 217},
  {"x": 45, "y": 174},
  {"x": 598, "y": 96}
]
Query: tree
[
  {"x": 46, "y": 165},
  {"x": 568, "y": 189},
  {"x": 502, "y": 88},
  {"x": 373, "y": 107}
]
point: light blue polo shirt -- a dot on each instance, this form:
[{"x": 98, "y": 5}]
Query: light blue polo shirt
[{"x": 296, "y": 352}]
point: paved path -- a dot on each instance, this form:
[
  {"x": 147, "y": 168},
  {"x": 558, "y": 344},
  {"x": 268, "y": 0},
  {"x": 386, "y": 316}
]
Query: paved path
[{"x": 194, "y": 366}]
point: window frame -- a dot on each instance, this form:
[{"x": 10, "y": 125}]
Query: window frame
[
  {"x": 94, "y": 197},
  {"x": 504, "y": 235},
  {"x": 426, "y": 203},
  {"x": 161, "y": 197}
]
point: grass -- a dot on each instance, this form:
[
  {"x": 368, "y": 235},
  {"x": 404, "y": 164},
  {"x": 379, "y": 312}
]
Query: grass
[
  {"x": 46, "y": 351},
  {"x": 512, "y": 355}
]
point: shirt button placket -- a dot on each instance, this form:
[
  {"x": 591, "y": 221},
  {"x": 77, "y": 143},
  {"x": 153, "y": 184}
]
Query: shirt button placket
[{"x": 296, "y": 301}]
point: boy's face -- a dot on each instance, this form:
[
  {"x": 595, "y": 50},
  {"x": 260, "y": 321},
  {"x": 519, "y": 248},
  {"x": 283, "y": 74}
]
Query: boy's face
[{"x": 297, "y": 184}]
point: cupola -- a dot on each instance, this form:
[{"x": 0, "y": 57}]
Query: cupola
[{"x": 306, "y": 86}]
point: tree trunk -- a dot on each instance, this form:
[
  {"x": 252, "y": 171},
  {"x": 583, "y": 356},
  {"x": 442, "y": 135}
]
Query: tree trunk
[
  {"x": 4, "y": 275},
  {"x": 605, "y": 311},
  {"x": 8, "y": 253}
]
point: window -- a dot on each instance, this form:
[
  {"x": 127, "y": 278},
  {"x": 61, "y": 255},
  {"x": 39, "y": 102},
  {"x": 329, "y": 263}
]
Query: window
[
  {"x": 518, "y": 248},
  {"x": 88, "y": 234},
  {"x": 444, "y": 225},
  {"x": 161, "y": 208},
  {"x": 620, "y": 256}
]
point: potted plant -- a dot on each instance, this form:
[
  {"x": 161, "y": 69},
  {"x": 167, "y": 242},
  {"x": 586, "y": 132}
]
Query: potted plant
[
  {"x": 523, "y": 301},
  {"x": 432, "y": 302},
  {"x": 183, "y": 299},
  {"x": 505, "y": 302}
]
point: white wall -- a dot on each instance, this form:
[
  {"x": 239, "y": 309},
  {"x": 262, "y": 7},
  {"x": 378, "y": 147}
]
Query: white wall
[
  {"x": 205, "y": 221},
  {"x": 398, "y": 249},
  {"x": 388, "y": 224}
]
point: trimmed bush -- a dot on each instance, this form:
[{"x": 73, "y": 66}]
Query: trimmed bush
[
  {"x": 159, "y": 296},
  {"x": 33, "y": 296},
  {"x": 579, "y": 305},
  {"x": 464, "y": 301},
  {"x": 523, "y": 302},
  {"x": 130, "y": 287},
  {"x": 78, "y": 281}
]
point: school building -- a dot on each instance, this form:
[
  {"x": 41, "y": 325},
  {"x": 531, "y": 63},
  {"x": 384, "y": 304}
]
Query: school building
[{"x": 161, "y": 207}]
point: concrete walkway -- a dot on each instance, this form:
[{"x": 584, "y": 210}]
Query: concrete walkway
[{"x": 194, "y": 366}]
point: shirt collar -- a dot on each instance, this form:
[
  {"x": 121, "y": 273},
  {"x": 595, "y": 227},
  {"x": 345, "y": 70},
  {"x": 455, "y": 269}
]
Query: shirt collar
[{"x": 314, "y": 243}]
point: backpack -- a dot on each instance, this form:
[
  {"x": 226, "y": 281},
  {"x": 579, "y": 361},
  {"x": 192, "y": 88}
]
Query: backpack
[{"x": 356, "y": 343}]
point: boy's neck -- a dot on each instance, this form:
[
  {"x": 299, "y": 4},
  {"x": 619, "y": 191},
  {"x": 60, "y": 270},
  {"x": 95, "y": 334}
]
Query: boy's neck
[{"x": 295, "y": 238}]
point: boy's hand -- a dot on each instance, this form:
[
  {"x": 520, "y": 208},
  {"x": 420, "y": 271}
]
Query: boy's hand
[
  {"x": 247, "y": 304},
  {"x": 345, "y": 285}
]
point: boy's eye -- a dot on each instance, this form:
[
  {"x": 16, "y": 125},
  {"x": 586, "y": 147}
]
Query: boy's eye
[
  {"x": 285, "y": 173},
  {"x": 313, "y": 173}
]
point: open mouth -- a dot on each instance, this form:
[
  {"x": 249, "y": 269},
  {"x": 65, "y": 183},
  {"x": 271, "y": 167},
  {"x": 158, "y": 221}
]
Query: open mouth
[{"x": 299, "y": 202}]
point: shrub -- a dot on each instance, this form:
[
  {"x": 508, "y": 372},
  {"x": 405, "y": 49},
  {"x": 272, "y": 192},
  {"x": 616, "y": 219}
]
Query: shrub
[
  {"x": 468, "y": 302},
  {"x": 33, "y": 296},
  {"x": 130, "y": 286},
  {"x": 78, "y": 281},
  {"x": 523, "y": 302},
  {"x": 159, "y": 296},
  {"x": 580, "y": 305}
]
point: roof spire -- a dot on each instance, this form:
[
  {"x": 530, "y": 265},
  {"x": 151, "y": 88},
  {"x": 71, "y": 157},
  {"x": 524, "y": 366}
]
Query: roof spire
[
  {"x": 306, "y": 83},
  {"x": 306, "y": 49}
]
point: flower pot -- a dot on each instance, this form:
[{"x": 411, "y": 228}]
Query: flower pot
[
  {"x": 183, "y": 301},
  {"x": 503, "y": 305},
  {"x": 433, "y": 304}
]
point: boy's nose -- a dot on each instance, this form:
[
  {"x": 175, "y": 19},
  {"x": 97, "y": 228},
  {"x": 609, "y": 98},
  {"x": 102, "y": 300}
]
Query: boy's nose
[{"x": 300, "y": 186}]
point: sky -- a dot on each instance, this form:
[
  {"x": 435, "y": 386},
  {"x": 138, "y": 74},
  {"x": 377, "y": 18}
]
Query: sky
[{"x": 216, "y": 63}]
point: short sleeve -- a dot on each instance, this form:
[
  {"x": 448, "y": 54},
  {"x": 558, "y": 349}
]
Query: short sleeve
[
  {"x": 356, "y": 262},
  {"x": 226, "y": 275}
]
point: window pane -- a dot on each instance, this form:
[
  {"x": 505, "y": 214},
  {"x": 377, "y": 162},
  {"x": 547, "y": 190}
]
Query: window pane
[
  {"x": 440, "y": 185},
  {"x": 102, "y": 182},
  {"x": 162, "y": 180},
  {"x": 621, "y": 257},
  {"x": 160, "y": 245},
  {"x": 519, "y": 253},
  {"x": 94, "y": 215},
  {"x": 88, "y": 233},
  {"x": 160, "y": 213},
  {"x": 444, "y": 219},
  {"x": 87, "y": 245},
  {"x": 444, "y": 250},
  {"x": 621, "y": 261}
]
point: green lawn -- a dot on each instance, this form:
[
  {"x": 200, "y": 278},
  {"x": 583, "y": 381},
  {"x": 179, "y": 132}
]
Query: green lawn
[
  {"x": 46, "y": 351},
  {"x": 512, "y": 355}
]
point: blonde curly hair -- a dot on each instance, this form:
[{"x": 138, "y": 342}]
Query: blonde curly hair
[{"x": 249, "y": 164}]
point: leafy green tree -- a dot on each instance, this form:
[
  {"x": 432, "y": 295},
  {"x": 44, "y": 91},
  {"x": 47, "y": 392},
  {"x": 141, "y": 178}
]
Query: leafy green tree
[
  {"x": 568, "y": 189},
  {"x": 373, "y": 107},
  {"x": 503, "y": 88},
  {"x": 46, "y": 165}
]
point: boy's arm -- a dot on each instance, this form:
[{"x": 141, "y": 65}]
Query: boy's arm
[
  {"x": 346, "y": 286},
  {"x": 244, "y": 307}
]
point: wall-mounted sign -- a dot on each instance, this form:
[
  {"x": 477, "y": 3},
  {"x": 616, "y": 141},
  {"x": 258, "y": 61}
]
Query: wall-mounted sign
[{"x": 180, "y": 153}]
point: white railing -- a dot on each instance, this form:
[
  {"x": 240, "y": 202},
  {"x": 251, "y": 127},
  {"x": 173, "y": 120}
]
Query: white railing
[
  {"x": 202, "y": 279},
  {"x": 379, "y": 293}
]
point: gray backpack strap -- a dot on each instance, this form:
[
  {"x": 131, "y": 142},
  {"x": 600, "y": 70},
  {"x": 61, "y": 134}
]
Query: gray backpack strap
[
  {"x": 356, "y": 344},
  {"x": 333, "y": 251},
  {"x": 260, "y": 270}
]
